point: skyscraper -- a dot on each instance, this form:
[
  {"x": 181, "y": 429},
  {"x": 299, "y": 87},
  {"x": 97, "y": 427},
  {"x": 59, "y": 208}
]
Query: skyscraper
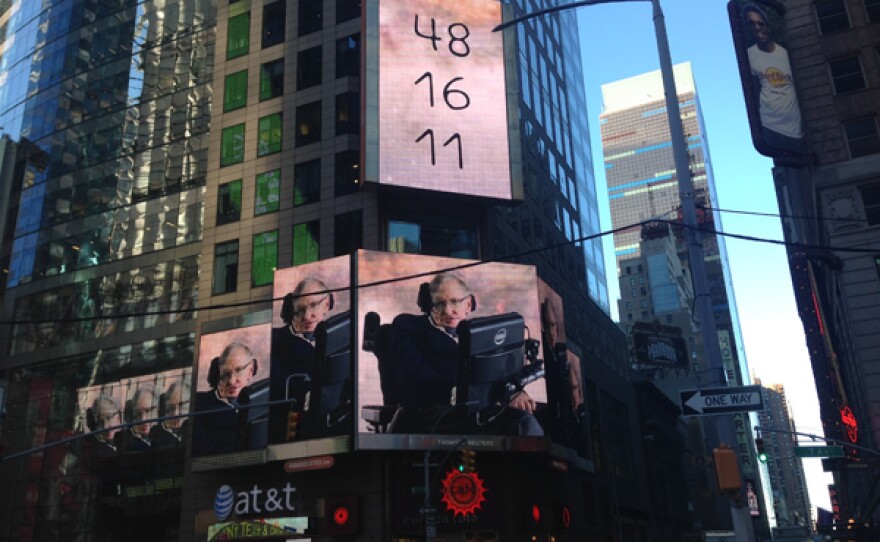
[
  {"x": 828, "y": 204},
  {"x": 643, "y": 186},
  {"x": 787, "y": 481},
  {"x": 136, "y": 198}
]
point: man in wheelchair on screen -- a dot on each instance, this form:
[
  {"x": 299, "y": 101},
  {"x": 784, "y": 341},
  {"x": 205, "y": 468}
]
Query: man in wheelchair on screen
[{"x": 425, "y": 352}]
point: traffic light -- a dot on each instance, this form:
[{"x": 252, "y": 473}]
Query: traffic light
[
  {"x": 762, "y": 450},
  {"x": 468, "y": 460},
  {"x": 727, "y": 469},
  {"x": 292, "y": 425}
]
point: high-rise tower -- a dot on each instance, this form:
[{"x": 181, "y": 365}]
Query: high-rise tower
[{"x": 160, "y": 161}]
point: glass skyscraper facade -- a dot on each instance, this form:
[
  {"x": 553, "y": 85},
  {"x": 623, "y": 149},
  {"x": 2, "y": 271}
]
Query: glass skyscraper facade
[
  {"x": 107, "y": 108},
  {"x": 134, "y": 199}
]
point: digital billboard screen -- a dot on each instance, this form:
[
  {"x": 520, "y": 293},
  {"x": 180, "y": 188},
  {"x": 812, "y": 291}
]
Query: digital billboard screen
[
  {"x": 771, "y": 99},
  {"x": 311, "y": 359},
  {"x": 233, "y": 369},
  {"x": 446, "y": 350},
  {"x": 439, "y": 86}
]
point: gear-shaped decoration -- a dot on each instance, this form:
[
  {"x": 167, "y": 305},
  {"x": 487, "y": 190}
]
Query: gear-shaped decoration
[{"x": 463, "y": 492}]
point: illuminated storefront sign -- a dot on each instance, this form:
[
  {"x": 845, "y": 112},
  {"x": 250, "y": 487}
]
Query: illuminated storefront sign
[
  {"x": 254, "y": 501},
  {"x": 261, "y": 528}
]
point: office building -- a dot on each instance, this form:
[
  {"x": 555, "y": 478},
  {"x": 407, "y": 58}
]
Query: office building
[
  {"x": 787, "y": 481},
  {"x": 162, "y": 157},
  {"x": 643, "y": 193},
  {"x": 829, "y": 203}
]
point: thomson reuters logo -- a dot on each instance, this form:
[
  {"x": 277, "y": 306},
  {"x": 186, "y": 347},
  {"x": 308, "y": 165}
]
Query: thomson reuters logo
[{"x": 223, "y": 502}]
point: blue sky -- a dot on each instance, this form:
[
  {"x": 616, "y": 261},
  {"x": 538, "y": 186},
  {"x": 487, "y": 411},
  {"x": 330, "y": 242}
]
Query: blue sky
[{"x": 618, "y": 41}]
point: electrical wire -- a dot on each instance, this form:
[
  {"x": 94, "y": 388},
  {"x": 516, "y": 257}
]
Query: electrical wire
[{"x": 508, "y": 257}]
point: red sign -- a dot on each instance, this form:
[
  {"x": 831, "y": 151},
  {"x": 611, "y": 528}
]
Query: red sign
[
  {"x": 848, "y": 417},
  {"x": 463, "y": 492},
  {"x": 309, "y": 463}
]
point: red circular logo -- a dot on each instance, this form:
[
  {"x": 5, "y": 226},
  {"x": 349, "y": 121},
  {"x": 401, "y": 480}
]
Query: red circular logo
[
  {"x": 463, "y": 492},
  {"x": 340, "y": 515}
]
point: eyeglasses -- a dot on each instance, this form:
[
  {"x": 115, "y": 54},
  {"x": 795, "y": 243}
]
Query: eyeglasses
[
  {"x": 172, "y": 409},
  {"x": 300, "y": 311},
  {"x": 454, "y": 304},
  {"x": 143, "y": 412},
  {"x": 104, "y": 420},
  {"x": 237, "y": 372}
]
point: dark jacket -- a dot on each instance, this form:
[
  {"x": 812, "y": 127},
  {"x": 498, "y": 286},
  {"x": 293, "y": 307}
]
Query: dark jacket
[
  {"x": 291, "y": 356},
  {"x": 425, "y": 361},
  {"x": 213, "y": 433}
]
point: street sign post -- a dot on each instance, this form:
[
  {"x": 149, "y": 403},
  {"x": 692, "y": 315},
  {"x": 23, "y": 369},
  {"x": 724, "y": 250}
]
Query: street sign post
[
  {"x": 721, "y": 400},
  {"x": 819, "y": 451}
]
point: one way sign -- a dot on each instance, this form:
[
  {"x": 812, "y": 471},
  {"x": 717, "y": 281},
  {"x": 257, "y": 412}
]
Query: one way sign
[{"x": 721, "y": 400}]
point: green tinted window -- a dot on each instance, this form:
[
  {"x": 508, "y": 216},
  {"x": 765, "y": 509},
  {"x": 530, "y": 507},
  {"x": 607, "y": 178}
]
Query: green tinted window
[
  {"x": 268, "y": 194},
  {"x": 232, "y": 145},
  {"x": 269, "y": 136},
  {"x": 305, "y": 242},
  {"x": 265, "y": 258},
  {"x": 235, "y": 91},
  {"x": 238, "y": 35}
]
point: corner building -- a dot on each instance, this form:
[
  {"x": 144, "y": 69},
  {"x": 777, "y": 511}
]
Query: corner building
[
  {"x": 830, "y": 204},
  {"x": 162, "y": 157}
]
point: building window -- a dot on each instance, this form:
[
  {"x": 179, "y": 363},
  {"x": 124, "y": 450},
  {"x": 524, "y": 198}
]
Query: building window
[
  {"x": 831, "y": 16},
  {"x": 434, "y": 236},
  {"x": 347, "y": 10},
  {"x": 238, "y": 35},
  {"x": 348, "y": 113},
  {"x": 347, "y": 169},
  {"x": 348, "y": 56},
  {"x": 871, "y": 202},
  {"x": 232, "y": 145},
  {"x": 229, "y": 202},
  {"x": 268, "y": 196},
  {"x": 348, "y": 233},
  {"x": 846, "y": 74},
  {"x": 873, "y": 9},
  {"x": 265, "y": 258},
  {"x": 310, "y": 14},
  {"x": 225, "y": 267},
  {"x": 629, "y": 305},
  {"x": 404, "y": 237},
  {"x": 272, "y": 79},
  {"x": 861, "y": 136},
  {"x": 274, "y": 19},
  {"x": 308, "y": 68},
  {"x": 305, "y": 242},
  {"x": 308, "y": 123},
  {"x": 269, "y": 135},
  {"x": 307, "y": 183},
  {"x": 235, "y": 91}
]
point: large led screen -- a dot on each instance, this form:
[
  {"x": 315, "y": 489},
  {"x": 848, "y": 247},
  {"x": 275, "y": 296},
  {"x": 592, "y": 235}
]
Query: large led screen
[
  {"x": 442, "y": 104},
  {"x": 312, "y": 359},
  {"x": 445, "y": 350},
  {"x": 233, "y": 371}
]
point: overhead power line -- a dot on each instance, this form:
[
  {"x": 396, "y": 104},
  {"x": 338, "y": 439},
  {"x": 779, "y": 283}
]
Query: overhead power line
[{"x": 508, "y": 257}]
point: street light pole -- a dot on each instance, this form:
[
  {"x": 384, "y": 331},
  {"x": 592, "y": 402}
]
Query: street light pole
[{"x": 703, "y": 302}]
